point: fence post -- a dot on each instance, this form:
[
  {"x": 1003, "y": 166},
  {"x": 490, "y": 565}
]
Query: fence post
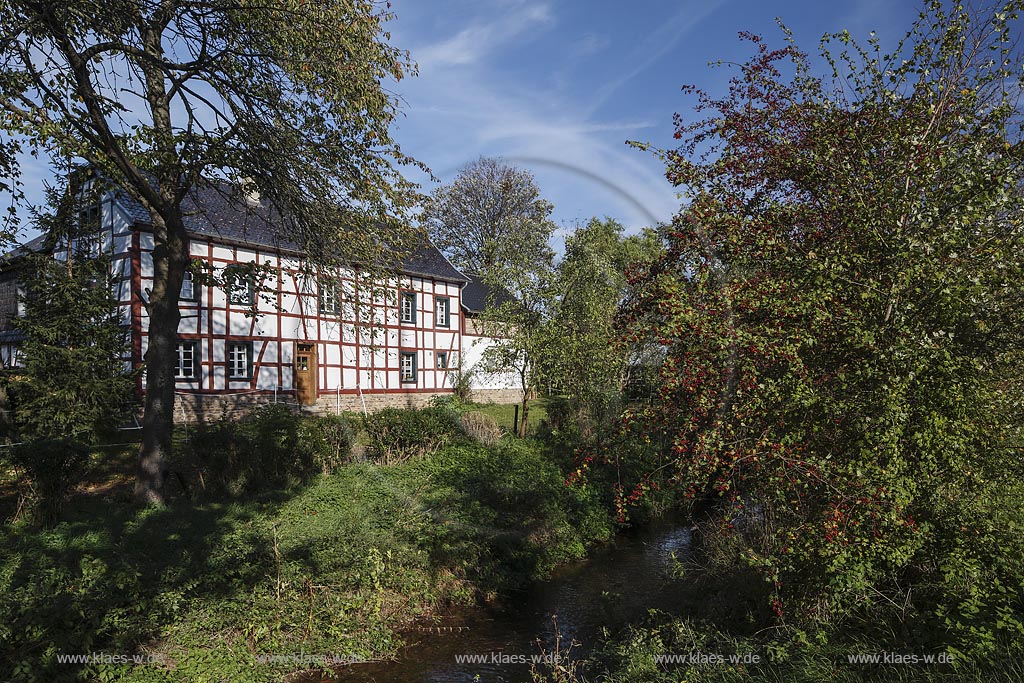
[{"x": 515, "y": 422}]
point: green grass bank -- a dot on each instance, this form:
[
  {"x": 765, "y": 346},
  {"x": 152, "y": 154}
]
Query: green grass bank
[{"x": 205, "y": 588}]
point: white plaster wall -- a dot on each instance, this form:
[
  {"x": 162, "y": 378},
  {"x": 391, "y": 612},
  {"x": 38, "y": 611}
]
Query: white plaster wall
[
  {"x": 473, "y": 348},
  {"x": 297, "y": 295}
]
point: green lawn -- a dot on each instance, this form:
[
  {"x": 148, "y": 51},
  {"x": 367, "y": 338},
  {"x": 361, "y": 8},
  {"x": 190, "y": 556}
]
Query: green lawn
[{"x": 504, "y": 414}]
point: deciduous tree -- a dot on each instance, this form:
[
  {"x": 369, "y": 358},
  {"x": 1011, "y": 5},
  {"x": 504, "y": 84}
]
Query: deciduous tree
[
  {"x": 491, "y": 218},
  {"x": 588, "y": 363},
  {"x": 520, "y": 326},
  {"x": 841, "y": 317},
  {"x": 286, "y": 98}
]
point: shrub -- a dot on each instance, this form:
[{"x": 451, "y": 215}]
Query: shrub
[
  {"x": 260, "y": 451},
  {"x": 582, "y": 420},
  {"x": 451, "y": 403},
  {"x": 559, "y": 413},
  {"x": 567, "y": 424},
  {"x": 397, "y": 435},
  {"x": 463, "y": 386},
  {"x": 329, "y": 440},
  {"x": 216, "y": 453},
  {"x": 502, "y": 516},
  {"x": 480, "y": 427},
  {"x": 273, "y": 433},
  {"x": 52, "y": 466}
]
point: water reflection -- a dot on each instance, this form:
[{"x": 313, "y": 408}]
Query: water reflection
[{"x": 617, "y": 585}]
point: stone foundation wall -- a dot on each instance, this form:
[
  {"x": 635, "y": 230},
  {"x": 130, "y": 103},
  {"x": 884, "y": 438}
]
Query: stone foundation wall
[
  {"x": 351, "y": 402},
  {"x": 212, "y": 407},
  {"x": 194, "y": 408},
  {"x": 374, "y": 402},
  {"x": 496, "y": 396}
]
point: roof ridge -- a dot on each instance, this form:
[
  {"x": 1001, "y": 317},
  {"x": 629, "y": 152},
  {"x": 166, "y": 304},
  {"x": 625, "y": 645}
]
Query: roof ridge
[{"x": 218, "y": 216}]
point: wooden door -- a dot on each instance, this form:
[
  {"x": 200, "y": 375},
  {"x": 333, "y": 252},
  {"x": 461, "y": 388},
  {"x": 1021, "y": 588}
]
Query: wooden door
[{"x": 305, "y": 373}]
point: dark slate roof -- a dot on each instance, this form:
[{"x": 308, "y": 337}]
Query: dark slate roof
[
  {"x": 221, "y": 212},
  {"x": 477, "y": 294},
  {"x": 33, "y": 246},
  {"x": 135, "y": 211},
  {"x": 428, "y": 260}
]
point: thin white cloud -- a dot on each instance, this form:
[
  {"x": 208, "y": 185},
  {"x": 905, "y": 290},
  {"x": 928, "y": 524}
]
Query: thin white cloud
[
  {"x": 474, "y": 42},
  {"x": 582, "y": 166},
  {"x": 656, "y": 46},
  {"x": 464, "y": 105},
  {"x": 589, "y": 44}
]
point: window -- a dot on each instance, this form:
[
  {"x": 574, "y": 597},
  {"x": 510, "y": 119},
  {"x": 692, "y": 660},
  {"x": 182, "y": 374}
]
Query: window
[
  {"x": 407, "y": 368},
  {"x": 89, "y": 219},
  {"x": 21, "y": 293},
  {"x": 239, "y": 355},
  {"x": 241, "y": 286},
  {"x": 442, "y": 360},
  {"x": 408, "y": 307},
  {"x": 189, "y": 291},
  {"x": 13, "y": 354},
  {"x": 330, "y": 297},
  {"x": 86, "y": 244},
  {"x": 186, "y": 364},
  {"x": 441, "y": 306}
]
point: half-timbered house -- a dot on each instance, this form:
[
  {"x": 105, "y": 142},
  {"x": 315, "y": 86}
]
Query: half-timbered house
[{"x": 280, "y": 331}]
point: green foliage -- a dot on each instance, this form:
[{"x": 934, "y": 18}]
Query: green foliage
[
  {"x": 110, "y": 578},
  {"x": 588, "y": 362},
  {"x": 575, "y": 421},
  {"x": 504, "y": 414},
  {"x": 288, "y": 101},
  {"x": 72, "y": 388},
  {"x": 522, "y": 335},
  {"x": 462, "y": 387},
  {"x": 639, "y": 655},
  {"x": 490, "y": 219},
  {"x": 840, "y": 331},
  {"x": 270, "y": 448},
  {"x": 565, "y": 425},
  {"x": 53, "y": 466},
  {"x": 337, "y": 566},
  {"x": 330, "y": 439},
  {"x": 451, "y": 403},
  {"x": 492, "y": 222},
  {"x": 73, "y": 383},
  {"x": 481, "y": 540},
  {"x": 284, "y": 100},
  {"x": 395, "y": 435}
]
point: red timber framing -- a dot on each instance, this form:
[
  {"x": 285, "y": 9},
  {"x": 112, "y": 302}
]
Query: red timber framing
[{"x": 348, "y": 362}]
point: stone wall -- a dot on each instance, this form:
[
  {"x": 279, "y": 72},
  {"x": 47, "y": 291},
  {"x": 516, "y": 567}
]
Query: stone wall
[
  {"x": 374, "y": 402},
  {"x": 496, "y": 396},
  {"x": 212, "y": 407}
]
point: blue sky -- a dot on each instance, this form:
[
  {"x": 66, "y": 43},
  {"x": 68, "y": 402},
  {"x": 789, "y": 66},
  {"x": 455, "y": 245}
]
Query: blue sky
[{"x": 558, "y": 87}]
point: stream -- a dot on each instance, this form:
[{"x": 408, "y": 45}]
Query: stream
[{"x": 617, "y": 584}]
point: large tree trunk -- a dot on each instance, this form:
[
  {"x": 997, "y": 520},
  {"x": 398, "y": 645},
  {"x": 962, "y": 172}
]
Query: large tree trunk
[{"x": 170, "y": 259}]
